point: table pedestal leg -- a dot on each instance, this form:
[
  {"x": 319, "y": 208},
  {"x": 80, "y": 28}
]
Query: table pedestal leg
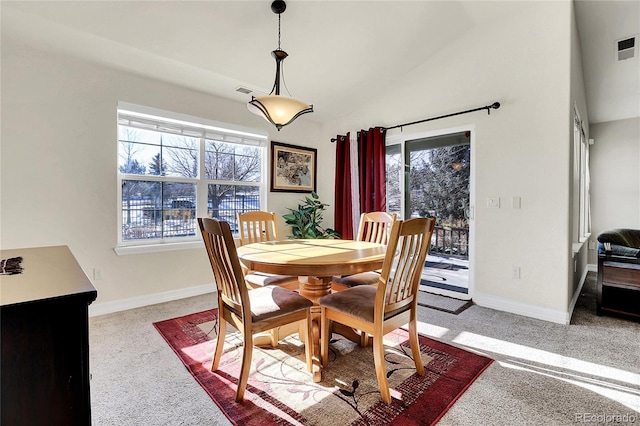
[{"x": 313, "y": 288}]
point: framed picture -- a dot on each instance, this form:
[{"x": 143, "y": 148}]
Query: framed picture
[{"x": 293, "y": 168}]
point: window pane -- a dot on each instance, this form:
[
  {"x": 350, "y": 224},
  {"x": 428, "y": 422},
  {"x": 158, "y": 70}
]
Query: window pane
[
  {"x": 218, "y": 161},
  {"x": 226, "y": 161},
  {"x": 248, "y": 164},
  {"x": 180, "y": 156},
  {"x": 154, "y": 210},
  {"x": 143, "y": 136},
  {"x": 137, "y": 150},
  {"x": 226, "y": 201},
  {"x": 141, "y": 210},
  {"x": 135, "y": 158},
  {"x": 179, "y": 209}
]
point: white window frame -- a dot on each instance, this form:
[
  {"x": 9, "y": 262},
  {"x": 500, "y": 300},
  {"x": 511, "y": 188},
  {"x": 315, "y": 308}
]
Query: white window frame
[
  {"x": 209, "y": 127},
  {"x": 582, "y": 179}
]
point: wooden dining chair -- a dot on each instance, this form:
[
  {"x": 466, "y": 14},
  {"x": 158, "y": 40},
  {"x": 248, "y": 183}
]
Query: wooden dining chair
[
  {"x": 256, "y": 227},
  {"x": 250, "y": 311},
  {"x": 375, "y": 227},
  {"x": 380, "y": 309}
]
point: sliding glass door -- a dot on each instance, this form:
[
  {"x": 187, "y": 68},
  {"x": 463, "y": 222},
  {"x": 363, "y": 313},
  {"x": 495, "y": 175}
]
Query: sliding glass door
[{"x": 431, "y": 177}]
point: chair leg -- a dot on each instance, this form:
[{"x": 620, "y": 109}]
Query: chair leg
[
  {"x": 415, "y": 346},
  {"x": 308, "y": 342},
  {"x": 247, "y": 353},
  {"x": 381, "y": 371},
  {"x": 222, "y": 331},
  {"x": 364, "y": 339},
  {"x": 325, "y": 335},
  {"x": 275, "y": 336}
]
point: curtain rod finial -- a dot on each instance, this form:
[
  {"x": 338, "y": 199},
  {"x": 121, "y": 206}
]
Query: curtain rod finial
[{"x": 494, "y": 105}]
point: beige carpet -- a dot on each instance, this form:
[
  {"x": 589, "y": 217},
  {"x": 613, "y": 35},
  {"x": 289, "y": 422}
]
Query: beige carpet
[{"x": 544, "y": 374}]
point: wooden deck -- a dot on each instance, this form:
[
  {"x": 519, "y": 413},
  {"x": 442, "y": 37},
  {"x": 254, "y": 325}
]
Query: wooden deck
[{"x": 446, "y": 275}]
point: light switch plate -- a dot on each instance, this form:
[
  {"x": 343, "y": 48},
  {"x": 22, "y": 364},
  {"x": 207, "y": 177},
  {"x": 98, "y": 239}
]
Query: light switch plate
[
  {"x": 493, "y": 202},
  {"x": 516, "y": 202}
]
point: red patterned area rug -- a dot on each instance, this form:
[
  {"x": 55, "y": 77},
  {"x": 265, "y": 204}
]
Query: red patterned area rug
[{"x": 281, "y": 392}]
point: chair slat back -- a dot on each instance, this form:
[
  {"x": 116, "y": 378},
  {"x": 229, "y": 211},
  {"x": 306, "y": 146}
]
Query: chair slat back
[
  {"x": 256, "y": 227},
  {"x": 375, "y": 227},
  {"x": 404, "y": 262},
  {"x": 224, "y": 261}
]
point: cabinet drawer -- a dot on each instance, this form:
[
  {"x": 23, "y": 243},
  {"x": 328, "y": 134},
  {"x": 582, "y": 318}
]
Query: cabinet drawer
[{"x": 618, "y": 275}]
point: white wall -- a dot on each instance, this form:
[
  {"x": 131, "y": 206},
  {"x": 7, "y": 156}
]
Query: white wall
[
  {"x": 615, "y": 176},
  {"x": 59, "y": 163},
  {"x": 522, "y": 149}
]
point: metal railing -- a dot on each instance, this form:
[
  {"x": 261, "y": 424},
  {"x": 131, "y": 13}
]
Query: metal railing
[
  {"x": 451, "y": 241},
  {"x": 153, "y": 219}
]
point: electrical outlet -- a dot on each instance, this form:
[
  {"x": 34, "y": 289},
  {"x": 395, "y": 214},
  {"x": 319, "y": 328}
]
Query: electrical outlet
[
  {"x": 592, "y": 245},
  {"x": 493, "y": 202},
  {"x": 515, "y": 272}
]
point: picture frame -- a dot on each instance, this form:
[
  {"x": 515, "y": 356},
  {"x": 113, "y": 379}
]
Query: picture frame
[{"x": 293, "y": 168}]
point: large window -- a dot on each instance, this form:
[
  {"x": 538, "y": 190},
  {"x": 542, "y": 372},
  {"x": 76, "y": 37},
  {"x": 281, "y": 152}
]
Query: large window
[{"x": 173, "y": 169}]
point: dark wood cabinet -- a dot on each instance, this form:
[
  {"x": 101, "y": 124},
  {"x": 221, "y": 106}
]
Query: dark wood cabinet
[
  {"x": 618, "y": 287},
  {"x": 45, "y": 341}
]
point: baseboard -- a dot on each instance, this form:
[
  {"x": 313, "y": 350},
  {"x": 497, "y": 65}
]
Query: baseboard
[
  {"x": 519, "y": 308},
  {"x": 96, "y": 309}
]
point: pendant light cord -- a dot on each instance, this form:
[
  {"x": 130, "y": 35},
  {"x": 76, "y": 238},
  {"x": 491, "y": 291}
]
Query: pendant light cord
[
  {"x": 284, "y": 82},
  {"x": 279, "y": 15}
]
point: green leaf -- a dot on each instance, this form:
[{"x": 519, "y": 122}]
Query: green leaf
[{"x": 306, "y": 221}]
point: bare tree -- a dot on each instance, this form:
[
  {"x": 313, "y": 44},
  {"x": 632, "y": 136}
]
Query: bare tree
[
  {"x": 183, "y": 157},
  {"x": 130, "y": 165},
  {"x": 229, "y": 162}
]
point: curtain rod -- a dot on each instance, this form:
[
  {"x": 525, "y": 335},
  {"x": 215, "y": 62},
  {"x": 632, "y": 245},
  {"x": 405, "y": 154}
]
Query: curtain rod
[{"x": 494, "y": 105}]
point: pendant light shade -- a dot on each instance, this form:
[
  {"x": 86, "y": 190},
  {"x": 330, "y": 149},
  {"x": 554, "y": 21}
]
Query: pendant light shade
[{"x": 276, "y": 109}]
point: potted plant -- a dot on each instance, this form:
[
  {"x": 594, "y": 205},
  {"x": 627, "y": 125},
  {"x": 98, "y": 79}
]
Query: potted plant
[{"x": 306, "y": 220}]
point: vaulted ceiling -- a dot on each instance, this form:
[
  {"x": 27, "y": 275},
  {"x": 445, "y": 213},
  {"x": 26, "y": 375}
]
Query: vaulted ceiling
[{"x": 338, "y": 49}]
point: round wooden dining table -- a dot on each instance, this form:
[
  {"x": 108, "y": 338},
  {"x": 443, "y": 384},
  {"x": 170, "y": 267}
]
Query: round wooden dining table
[{"x": 315, "y": 262}]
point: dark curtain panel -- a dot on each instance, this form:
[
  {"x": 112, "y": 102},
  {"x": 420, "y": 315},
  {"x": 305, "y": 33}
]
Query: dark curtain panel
[
  {"x": 343, "y": 223},
  {"x": 371, "y": 161}
]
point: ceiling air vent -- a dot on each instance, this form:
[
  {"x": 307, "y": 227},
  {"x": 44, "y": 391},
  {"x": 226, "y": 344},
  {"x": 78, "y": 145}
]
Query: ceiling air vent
[
  {"x": 627, "y": 48},
  {"x": 243, "y": 90}
]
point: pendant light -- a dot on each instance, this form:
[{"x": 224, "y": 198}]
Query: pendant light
[{"x": 276, "y": 109}]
